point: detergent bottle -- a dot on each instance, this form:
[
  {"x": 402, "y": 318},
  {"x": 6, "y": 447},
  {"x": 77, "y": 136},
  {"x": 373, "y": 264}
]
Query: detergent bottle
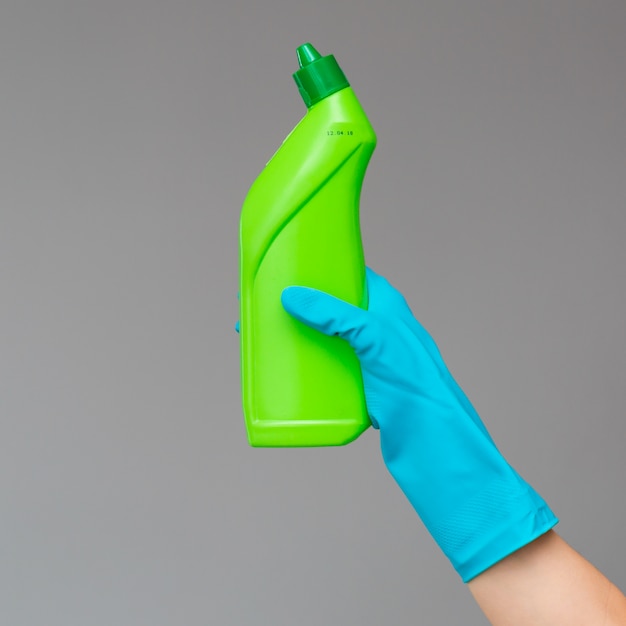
[{"x": 300, "y": 226}]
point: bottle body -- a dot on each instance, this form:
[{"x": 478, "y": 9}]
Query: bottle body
[{"x": 300, "y": 226}]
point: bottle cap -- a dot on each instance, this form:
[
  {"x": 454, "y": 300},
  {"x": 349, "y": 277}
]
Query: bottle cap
[{"x": 318, "y": 76}]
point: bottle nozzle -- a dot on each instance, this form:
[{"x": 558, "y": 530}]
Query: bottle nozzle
[
  {"x": 318, "y": 76},
  {"x": 307, "y": 54}
]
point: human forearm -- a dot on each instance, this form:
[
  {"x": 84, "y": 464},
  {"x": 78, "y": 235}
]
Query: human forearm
[{"x": 546, "y": 583}]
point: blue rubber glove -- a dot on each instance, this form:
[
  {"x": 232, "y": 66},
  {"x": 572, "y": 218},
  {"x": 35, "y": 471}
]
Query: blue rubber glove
[{"x": 474, "y": 504}]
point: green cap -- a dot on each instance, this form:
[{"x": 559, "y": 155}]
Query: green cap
[{"x": 318, "y": 76}]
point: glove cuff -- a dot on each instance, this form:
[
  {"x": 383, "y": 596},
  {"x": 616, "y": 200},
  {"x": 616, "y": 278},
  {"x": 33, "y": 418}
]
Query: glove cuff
[{"x": 501, "y": 519}]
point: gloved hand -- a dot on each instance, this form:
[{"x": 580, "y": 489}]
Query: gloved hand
[{"x": 474, "y": 504}]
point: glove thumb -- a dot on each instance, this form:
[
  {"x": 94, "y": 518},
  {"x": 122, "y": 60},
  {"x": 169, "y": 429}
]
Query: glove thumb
[{"x": 327, "y": 314}]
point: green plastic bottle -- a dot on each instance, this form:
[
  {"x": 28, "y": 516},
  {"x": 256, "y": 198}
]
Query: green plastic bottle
[{"x": 300, "y": 226}]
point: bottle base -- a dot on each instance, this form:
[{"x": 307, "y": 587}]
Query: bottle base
[{"x": 280, "y": 434}]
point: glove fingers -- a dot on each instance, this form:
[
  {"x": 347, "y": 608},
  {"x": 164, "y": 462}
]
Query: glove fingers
[
  {"x": 237, "y": 322},
  {"x": 326, "y": 314}
]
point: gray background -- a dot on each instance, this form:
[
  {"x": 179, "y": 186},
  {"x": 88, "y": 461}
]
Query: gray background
[{"x": 495, "y": 201}]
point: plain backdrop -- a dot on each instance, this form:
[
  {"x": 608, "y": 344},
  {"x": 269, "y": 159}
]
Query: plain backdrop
[{"x": 496, "y": 202}]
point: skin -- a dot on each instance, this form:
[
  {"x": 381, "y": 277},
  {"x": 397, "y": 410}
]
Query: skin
[{"x": 547, "y": 583}]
